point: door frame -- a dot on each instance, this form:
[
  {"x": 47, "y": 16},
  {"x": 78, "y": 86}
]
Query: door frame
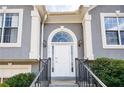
[{"x": 74, "y": 43}]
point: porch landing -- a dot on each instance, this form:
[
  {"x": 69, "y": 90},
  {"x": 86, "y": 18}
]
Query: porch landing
[{"x": 63, "y": 83}]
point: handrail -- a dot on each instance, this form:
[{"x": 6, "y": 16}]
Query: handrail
[
  {"x": 84, "y": 76},
  {"x": 43, "y": 78},
  {"x": 101, "y": 83},
  {"x": 33, "y": 83}
]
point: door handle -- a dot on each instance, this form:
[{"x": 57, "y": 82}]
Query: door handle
[{"x": 72, "y": 70}]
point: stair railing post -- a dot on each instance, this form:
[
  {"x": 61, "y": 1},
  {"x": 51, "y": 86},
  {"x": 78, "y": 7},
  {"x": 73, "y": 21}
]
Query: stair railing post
[
  {"x": 76, "y": 69},
  {"x": 49, "y": 70}
]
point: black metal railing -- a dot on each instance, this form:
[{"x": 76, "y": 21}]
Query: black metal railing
[
  {"x": 44, "y": 76},
  {"x": 84, "y": 76}
]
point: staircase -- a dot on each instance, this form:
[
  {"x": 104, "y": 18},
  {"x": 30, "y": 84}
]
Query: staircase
[
  {"x": 84, "y": 76},
  {"x": 63, "y": 83}
]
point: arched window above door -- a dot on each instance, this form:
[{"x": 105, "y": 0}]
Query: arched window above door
[{"x": 62, "y": 37}]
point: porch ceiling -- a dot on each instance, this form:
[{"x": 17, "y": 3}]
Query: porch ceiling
[{"x": 63, "y": 17}]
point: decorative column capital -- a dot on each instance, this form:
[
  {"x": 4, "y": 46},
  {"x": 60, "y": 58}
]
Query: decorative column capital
[
  {"x": 87, "y": 17},
  {"x": 35, "y": 13}
]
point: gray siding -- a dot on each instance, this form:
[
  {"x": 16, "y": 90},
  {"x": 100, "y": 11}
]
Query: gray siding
[
  {"x": 76, "y": 28},
  {"x": 96, "y": 32},
  {"x": 23, "y": 51}
]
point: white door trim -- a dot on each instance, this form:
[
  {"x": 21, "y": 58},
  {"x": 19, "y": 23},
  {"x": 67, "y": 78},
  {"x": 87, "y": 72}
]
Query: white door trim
[
  {"x": 62, "y": 28},
  {"x": 74, "y": 43}
]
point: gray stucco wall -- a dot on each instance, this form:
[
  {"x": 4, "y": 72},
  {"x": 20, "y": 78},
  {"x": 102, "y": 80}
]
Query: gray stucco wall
[
  {"x": 35, "y": 68},
  {"x": 23, "y": 51},
  {"x": 98, "y": 50},
  {"x": 76, "y": 28}
]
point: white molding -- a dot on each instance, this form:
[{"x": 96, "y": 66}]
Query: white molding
[
  {"x": 19, "y": 35},
  {"x": 62, "y": 28},
  {"x": 117, "y": 12},
  {"x": 113, "y": 46},
  {"x": 35, "y": 35},
  {"x": 35, "y": 13},
  {"x": 87, "y": 34},
  {"x": 74, "y": 18},
  {"x": 74, "y": 43},
  {"x": 102, "y": 15}
]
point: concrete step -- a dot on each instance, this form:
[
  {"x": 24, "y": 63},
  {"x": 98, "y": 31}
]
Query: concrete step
[
  {"x": 63, "y": 83},
  {"x": 52, "y": 85}
]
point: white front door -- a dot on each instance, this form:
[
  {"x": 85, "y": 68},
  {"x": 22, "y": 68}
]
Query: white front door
[{"x": 62, "y": 61}]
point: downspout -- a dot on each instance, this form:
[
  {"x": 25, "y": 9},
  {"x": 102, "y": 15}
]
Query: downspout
[
  {"x": 42, "y": 33},
  {"x": 41, "y": 41}
]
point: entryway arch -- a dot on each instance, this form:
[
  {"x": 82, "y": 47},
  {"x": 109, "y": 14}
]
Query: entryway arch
[{"x": 62, "y": 48}]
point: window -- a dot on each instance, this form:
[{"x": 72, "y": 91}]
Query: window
[
  {"x": 112, "y": 30},
  {"x": 11, "y": 27},
  {"x": 62, "y": 37},
  {"x": 1, "y": 23}
]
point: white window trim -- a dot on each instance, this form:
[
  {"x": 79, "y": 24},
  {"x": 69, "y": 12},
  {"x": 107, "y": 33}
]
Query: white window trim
[
  {"x": 19, "y": 35},
  {"x": 103, "y": 33}
]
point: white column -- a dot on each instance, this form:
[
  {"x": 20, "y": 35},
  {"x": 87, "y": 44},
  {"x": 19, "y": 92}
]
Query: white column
[
  {"x": 87, "y": 34},
  {"x": 35, "y": 35}
]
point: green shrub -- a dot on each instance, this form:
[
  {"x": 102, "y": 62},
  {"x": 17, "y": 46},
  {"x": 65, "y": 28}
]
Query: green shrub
[
  {"x": 4, "y": 85},
  {"x": 110, "y": 71},
  {"x": 21, "y": 80}
]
